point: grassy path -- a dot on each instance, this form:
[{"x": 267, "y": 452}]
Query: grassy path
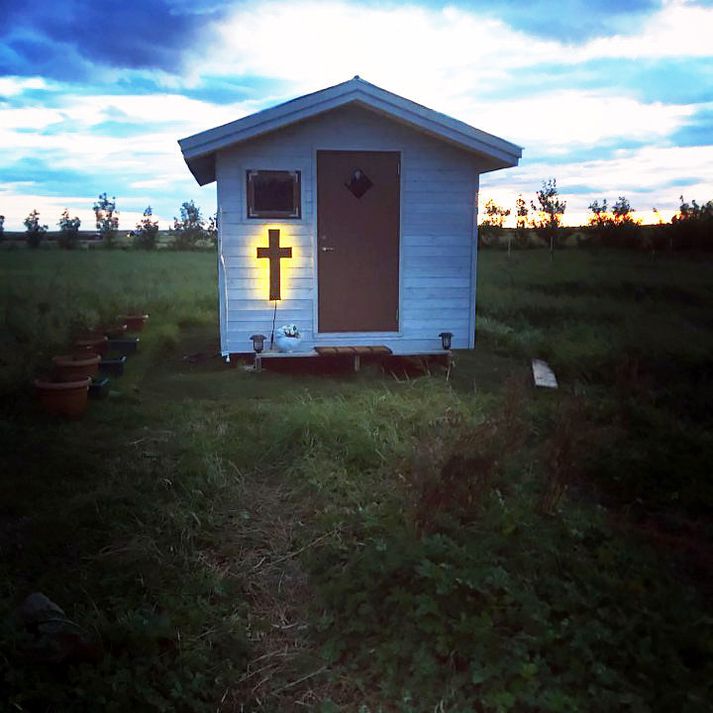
[
  {"x": 261, "y": 546},
  {"x": 335, "y": 542}
]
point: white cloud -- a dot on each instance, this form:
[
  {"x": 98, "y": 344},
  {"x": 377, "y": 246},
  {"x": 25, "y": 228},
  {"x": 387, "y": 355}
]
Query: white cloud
[
  {"x": 26, "y": 118},
  {"x": 85, "y": 112},
  {"x": 427, "y": 54},
  {"x": 420, "y": 52},
  {"x": 679, "y": 29},
  {"x": 12, "y": 86},
  {"x": 560, "y": 120},
  {"x": 50, "y": 207},
  {"x": 19, "y": 198},
  {"x": 646, "y": 176},
  {"x": 448, "y": 58},
  {"x": 152, "y": 157}
]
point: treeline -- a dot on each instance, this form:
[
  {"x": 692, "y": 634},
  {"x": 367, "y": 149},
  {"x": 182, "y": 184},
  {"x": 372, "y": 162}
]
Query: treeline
[
  {"x": 615, "y": 226},
  {"x": 189, "y": 232}
]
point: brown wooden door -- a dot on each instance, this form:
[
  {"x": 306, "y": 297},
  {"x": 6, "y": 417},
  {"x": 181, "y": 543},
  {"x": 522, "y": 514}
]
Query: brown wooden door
[{"x": 358, "y": 240}]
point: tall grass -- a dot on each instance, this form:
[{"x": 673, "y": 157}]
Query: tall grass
[
  {"x": 459, "y": 557},
  {"x": 47, "y": 297},
  {"x": 634, "y": 335},
  {"x": 586, "y": 312}
]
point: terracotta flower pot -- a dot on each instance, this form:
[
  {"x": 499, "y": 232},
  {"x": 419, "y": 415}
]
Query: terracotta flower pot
[
  {"x": 134, "y": 322},
  {"x": 97, "y": 333},
  {"x": 94, "y": 345},
  {"x": 74, "y": 367},
  {"x": 63, "y": 398},
  {"x": 109, "y": 331},
  {"x": 115, "y": 331}
]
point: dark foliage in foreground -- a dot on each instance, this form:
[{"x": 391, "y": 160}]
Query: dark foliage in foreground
[{"x": 471, "y": 546}]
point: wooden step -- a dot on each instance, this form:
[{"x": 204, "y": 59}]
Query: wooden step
[{"x": 352, "y": 351}]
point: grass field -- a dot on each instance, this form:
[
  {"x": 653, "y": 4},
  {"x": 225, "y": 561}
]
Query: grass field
[{"x": 375, "y": 542}]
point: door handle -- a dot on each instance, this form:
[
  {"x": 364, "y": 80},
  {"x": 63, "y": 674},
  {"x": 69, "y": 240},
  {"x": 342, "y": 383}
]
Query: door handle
[{"x": 325, "y": 249}]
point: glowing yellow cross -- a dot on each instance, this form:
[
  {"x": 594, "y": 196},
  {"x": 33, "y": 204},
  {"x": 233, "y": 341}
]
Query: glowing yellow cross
[{"x": 274, "y": 253}]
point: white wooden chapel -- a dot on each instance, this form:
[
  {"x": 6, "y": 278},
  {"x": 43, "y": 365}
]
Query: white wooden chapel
[{"x": 353, "y": 211}]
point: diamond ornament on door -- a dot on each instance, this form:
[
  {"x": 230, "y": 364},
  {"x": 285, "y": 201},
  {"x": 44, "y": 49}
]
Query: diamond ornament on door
[{"x": 359, "y": 183}]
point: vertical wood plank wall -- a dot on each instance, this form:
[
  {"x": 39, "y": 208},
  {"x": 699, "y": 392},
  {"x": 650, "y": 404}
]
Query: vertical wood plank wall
[{"x": 438, "y": 184}]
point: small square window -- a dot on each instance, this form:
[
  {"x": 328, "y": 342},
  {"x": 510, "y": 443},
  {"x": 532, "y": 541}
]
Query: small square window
[{"x": 274, "y": 194}]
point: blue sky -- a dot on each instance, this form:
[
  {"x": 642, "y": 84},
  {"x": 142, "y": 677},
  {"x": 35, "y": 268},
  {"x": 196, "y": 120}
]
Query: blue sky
[{"x": 610, "y": 98}]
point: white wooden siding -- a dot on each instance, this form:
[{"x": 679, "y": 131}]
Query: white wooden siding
[{"x": 437, "y": 268}]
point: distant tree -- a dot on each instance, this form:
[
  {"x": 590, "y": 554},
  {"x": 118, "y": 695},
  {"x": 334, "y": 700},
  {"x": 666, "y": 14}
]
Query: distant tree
[
  {"x": 521, "y": 219},
  {"x": 616, "y": 227},
  {"x": 623, "y": 212},
  {"x": 495, "y": 215},
  {"x": 492, "y": 223},
  {"x": 145, "y": 234},
  {"x": 107, "y": 218},
  {"x": 2, "y": 227},
  {"x": 694, "y": 212},
  {"x": 68, "y": 231},
  {"x": 549, "y": 209},
  {"x": 626, "y": 228},
  {"x": 625, "y": 224},
  {"x": 600, "y": 222},
  {"x": 34, "y": 232},
  {"x": 189, "y": 229},
  {"x": 212, "y": 229},
  {"x": 692, "y": 226},
  {"x": 600, "y": 218}
]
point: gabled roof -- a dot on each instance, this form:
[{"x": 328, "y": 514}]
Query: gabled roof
[{"x": 199, "y": 150}]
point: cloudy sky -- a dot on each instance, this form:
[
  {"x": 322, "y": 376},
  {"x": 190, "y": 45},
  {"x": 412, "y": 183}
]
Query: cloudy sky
[{"x": 607, "y": 96}]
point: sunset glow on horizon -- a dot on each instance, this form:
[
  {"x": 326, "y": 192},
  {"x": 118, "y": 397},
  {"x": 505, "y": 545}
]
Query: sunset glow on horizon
[{"x": 609, "y": 101}]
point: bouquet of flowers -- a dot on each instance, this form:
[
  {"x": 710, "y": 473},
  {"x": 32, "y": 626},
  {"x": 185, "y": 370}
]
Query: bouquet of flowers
[{"x": 288, "y": 338}]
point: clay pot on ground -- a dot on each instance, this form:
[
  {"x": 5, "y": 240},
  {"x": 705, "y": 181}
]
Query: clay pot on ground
[
  {"x": 110, "y": 331},
  {"x": 134, "y": 322},
  {"x": 115, "y": 331},
  {"x": 73, "y": 367},
  {"x": 92, "y": 345},
  {"x": 63, "y": 398}
]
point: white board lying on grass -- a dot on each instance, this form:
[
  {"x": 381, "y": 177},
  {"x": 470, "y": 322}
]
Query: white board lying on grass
[{"x": 543, "y": 375}]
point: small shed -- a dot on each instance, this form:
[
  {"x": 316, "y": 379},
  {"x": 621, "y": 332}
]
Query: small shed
[{"x": 351, "y": 213}]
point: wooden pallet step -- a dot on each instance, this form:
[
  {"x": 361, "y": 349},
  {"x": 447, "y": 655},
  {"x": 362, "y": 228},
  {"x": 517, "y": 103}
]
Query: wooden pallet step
[{"x": 356, "y": 350}]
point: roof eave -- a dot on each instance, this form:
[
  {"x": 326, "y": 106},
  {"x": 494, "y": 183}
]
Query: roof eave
[
  {"x": 242, "y": 130},
  {"x": 502, "y": 152},
  {"x": 202, "y": 168},
  {"x": 199, "y": 149}
]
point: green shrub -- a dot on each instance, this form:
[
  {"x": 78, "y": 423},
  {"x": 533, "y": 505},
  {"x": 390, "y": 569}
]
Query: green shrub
[
  {"x": 146, "y": 232},
  {"x": 68, "y": 231},
  {"x": 692, "y": 226},
  {"x": 492, "y": 592},
  {"x": 190, "y": 230},
  {"x": 34, "y": 232},
  {"x": 107, "y": 219},
  {"x": 517, "y": 613}
]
